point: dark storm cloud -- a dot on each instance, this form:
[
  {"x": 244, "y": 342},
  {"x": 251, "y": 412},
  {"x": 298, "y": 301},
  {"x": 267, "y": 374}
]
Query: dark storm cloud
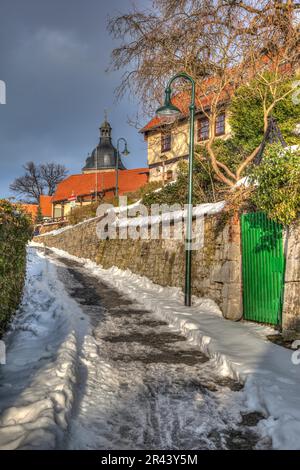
[{"x": 53, "y": 56}]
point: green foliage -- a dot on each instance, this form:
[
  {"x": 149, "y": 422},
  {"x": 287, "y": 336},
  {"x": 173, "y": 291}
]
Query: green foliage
[
  {"x": 204, "y": 189},
  {"x": 277, "y": 181},
  {"x": 149, "y": 188},
  {"x": 88, "y": 211},
  {"x": 227, "y": 151},
  {"x": 246, "y": 114},
  {"x": 80, "y": 213},
  {"x": 131, "y": 197},
  {"x": 39, "y": 216},
  {"x": 137, "y": 195},
  {"x": 247, "y": 123},
  {"x": 15, "y": 231}
]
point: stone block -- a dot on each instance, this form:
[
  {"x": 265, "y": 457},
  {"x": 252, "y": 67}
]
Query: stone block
[
  {"x": 292, "y": 272},
  {"x": 291, "y": 306},
  {"x": 232, "y": 304},
  {"x": 231, "y": 272},
  {"x": 232, "y": 251},
  {"x": 216, "y": 274}
]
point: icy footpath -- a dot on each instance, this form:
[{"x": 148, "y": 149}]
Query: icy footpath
[
  {"x": 36, "y": 384},
  {"x": 240, "y": 350}
]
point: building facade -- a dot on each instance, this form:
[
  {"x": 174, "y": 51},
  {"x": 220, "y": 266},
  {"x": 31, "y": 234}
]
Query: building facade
[{"x": 168, "y": 144}]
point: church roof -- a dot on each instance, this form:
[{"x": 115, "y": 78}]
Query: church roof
[
  {"x": 85, "y": 184},
  {"x": 104, "y": 156}
]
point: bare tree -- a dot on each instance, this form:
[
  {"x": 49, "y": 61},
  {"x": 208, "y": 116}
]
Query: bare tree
[
  {"x": 222, "y": 44},
  {"x": 38, "y": 180},
  {"x": 52, "y": 174},
  {"x": 30, "y": 184}
]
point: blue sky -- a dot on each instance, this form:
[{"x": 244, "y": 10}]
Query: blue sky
[{"x": 53, "y": 57}]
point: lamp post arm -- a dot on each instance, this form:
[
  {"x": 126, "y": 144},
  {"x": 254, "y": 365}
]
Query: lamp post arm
[
  {"x": 121, "y": 139},
  {"x": 186, "y": 77}
]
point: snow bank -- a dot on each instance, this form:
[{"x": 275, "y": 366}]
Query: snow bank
[
  {"x": 198, "y": 211},
  {"x": 56, "y": 231},
  {"x": 36, "y": 392},
  {"x": 176, "y": 216},
  {"x": 241, "y": 350},
  {"x": 68, "y": 227}
]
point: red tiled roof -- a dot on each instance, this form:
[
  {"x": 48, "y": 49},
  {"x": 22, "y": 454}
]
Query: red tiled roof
[
  {"x": 203, "y": 101},
  {"x": 85, "y": 184},
  {"x": 182, "y": 101},
  {"x": 30, "y": 209},
  {"x": 46, "y": 205}
]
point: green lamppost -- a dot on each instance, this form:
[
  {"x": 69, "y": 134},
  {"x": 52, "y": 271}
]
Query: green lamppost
[
  {"x": 125, "y": 153},
  {"x": 168, "y": 110}
]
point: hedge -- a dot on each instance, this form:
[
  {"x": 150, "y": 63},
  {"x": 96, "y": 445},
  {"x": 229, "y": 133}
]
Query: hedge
[{"x": 15, "y": 231}]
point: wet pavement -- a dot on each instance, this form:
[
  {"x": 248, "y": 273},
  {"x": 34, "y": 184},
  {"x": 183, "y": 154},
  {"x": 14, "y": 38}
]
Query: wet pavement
[{"x": 142, "y": 385}]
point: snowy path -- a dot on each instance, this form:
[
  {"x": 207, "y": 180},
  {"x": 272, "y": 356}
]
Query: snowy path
[
  {"x": 144, "y": 385},
  {"x": 37, "y": 382},
  {"x": 87, "y": 368}
]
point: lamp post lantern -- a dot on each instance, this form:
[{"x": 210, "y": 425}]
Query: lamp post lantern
[
  {"x": 170, "y": 111},
  {"x": 125, "y": 153}
]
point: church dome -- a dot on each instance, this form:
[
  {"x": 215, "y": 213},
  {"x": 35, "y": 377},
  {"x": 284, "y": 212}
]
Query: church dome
[{"x": 104, "y": 156}]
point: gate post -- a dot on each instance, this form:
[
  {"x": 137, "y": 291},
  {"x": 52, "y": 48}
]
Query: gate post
[
  {"x": 232, "y": 272},
  {"x": 291, "y": 298}
]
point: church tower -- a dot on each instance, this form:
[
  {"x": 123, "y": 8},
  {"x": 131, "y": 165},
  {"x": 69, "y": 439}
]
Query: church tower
[{"x": 104, "y": 156}]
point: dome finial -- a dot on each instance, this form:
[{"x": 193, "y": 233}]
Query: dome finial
[{"x": 105, "y": 128}]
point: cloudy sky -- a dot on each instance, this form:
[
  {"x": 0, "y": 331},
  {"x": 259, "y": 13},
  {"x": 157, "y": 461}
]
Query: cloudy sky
[{"x": 53, "y": 57}]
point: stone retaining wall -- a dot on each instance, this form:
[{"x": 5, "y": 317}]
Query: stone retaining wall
[{"x": 216, "y": 268}]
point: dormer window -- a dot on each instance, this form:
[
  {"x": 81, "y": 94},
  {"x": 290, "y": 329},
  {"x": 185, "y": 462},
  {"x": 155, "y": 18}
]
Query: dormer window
[
  {"x": 220, "y": 124},
  {"x": 166, "y": 142}
]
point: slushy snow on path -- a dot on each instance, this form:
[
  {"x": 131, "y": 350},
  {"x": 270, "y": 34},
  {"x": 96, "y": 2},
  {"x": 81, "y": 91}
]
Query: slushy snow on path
[
  {"x": 36, "y": 384},
  {"x": 241, "y": 350},
  {"x": 105, "y": 359}
]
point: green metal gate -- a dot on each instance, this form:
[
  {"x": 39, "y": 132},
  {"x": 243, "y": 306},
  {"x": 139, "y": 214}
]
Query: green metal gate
[{"x": 263, "y": 268}]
